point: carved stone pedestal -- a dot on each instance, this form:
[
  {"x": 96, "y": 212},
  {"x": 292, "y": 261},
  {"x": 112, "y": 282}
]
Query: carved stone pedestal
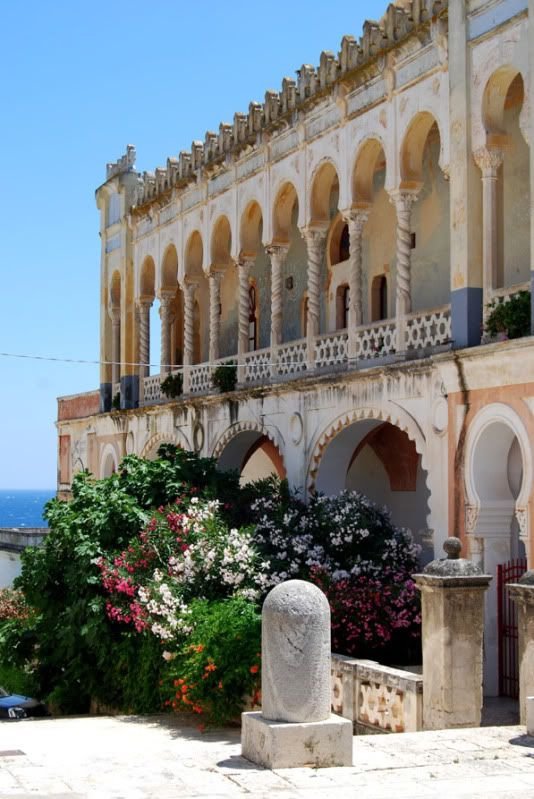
[{"x": 452, "y": 599}]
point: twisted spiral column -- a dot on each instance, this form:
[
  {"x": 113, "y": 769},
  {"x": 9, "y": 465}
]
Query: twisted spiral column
[
  {"x": 278, "y": 255},
  {"x": 189, "y": 331},
  {"x": 403, "y": 200},
  {"x": 356, "y": 219},
  {"x": 243, "y": 268},
  {"x": 143, "y": 311},
  {"x": 115, "y": 316},
  {"x": 165, "y": 313},
  {"x": 215, "y": 318},
  {"x": 315, "y": 239}
]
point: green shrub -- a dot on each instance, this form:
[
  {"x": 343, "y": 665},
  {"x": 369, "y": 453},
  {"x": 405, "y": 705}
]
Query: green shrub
[
  {"x": 116, "y": 402},
  {"x": 509, "y": 319},
  {"x": 218, "y": 669},
  {"x": 224, "y": 377},
  {"x": 172, "y": 386}
]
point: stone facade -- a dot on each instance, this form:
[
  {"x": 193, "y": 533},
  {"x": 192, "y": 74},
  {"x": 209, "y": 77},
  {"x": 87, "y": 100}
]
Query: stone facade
[{"x": 340, "y": 243}]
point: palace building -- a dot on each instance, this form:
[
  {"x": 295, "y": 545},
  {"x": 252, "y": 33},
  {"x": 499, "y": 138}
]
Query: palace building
[{"x": 342, "y": 243}]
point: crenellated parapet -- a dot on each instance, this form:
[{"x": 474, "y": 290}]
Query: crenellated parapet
[
  {"x": 312, "y": 84},
  {"x": 126, "y": 163}
]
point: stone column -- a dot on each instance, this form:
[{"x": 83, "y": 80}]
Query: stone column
[
  {"x": 115, "y": 314},
  {"x": 315, "y": 239},
  {"x": 243, "y": 268},
  {"x": 403, "y": 200},
  {"x": 356, "y": 219},
  {"x": 143, "y": 308},
  {"x": 488, "y": 161},
  {"x": 165, "y": 313},
  {"x": 452, "y": 604},
  {"x": 215, "y": 314},
  {"x": 296, "y": 727},
  {"x": 278, "y": 255},
  {"x": 189, "y": 312},
  {"x": 523, "y": 595}
]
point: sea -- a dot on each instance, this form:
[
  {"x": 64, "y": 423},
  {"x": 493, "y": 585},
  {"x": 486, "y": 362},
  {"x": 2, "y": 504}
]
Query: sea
[{"x": 23, "y": 507}]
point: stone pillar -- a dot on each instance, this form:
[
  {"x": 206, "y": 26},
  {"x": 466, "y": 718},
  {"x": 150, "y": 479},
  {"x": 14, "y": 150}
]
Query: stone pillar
[
  {"x": 243, "y": 268},
  {"x": 115, "y": 314},
  {"x": 489, "y": 161},
  {"x": 278, "y": 255},
  {"x": 452, "y": 603},
  {"x": 523, "y": 595},
  {"x": 403, "y": 200},
  {"x": 189, "y": 311},
  {"x": 465, "y": 206},
  {"x": 166, "y": 315},
  {"x": 296, "y": 727},
  {"x": 215, "y": 314},
  {"x": 143, "y": 308},
  {"x": 356, "y": 219},
  {"x": 315, "y": 239}
]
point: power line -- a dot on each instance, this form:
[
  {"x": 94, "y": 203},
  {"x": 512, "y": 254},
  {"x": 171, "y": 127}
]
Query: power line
[{"x": 55, "y": 359}]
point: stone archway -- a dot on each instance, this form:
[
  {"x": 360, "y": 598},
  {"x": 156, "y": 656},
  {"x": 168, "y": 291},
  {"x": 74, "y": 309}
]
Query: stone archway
[
  {"x": 497, "y": 486},
  {"x": 251, "y": 451},
  {"x": 376, "y": 457},
  {"x": 109, "y": 462}
]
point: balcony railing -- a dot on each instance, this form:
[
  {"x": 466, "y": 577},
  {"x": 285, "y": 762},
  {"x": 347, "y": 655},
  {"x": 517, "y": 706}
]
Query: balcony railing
[{"x": 422, "y": 331}]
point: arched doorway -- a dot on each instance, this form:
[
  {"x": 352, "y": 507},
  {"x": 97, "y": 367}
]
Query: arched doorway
[
  {"x": 252, "y": 454},
  {"x": 496, "y": 486},
  {"x": 378, "y": 459}
]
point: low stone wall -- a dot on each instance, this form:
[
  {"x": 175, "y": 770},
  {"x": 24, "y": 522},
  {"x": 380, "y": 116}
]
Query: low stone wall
[
  {"x": 13, "y": 540},
  {"x": 376, "y": 698}
]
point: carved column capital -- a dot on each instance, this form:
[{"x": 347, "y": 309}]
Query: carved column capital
[
  {"x": 314, "y": 236},
  {"x": 356, "y": 218},
  {"x": 488, "y": 160},
  {"x": 114, "y": 314},
  {"x": 277, "y": 251}
]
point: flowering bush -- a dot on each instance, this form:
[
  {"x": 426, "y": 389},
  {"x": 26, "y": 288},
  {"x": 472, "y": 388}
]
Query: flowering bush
[
  {"x": 13, "y": 605},
  {"x": 350, "y": 548},
  {"x": 218, "y": 668},
  {"x": 156, "y": 575}
]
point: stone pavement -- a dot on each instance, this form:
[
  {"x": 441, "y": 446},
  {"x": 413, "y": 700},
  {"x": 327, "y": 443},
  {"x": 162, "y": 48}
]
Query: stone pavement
[{"x": 134, "y": 757}]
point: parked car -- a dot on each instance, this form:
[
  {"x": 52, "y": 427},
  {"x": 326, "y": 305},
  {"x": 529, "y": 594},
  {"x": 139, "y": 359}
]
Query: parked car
[{"x": 15, "y": 706}]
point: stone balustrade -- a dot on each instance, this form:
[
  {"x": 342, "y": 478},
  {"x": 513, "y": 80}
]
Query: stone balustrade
[
  {"x": 425, "y": 331},
  {"x": 376, "y": 698}
]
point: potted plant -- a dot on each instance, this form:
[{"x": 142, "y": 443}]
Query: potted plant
[
  {"x": 224, "y": 377},
  {"x": 172, "y": 386},
  {"x": 508, "y": 319}
]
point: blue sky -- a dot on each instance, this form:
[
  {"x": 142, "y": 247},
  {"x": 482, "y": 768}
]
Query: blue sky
[{"x": 80, "y": 81}]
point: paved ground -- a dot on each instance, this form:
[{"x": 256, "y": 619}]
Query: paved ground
[{"x": 140, "y": 757}]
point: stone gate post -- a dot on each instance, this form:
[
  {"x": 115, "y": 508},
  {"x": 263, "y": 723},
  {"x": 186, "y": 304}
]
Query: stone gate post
[
  {"x": 452, "y": 600},
  {"x": 523, "y": 595}
]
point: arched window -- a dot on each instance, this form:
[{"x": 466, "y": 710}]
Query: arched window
[
  {"x": 252, "y": 320},
  {"x": 342, "y": 307},
  {"x": 344, "y": 245},
  {"x": 379, "y": 298}
]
